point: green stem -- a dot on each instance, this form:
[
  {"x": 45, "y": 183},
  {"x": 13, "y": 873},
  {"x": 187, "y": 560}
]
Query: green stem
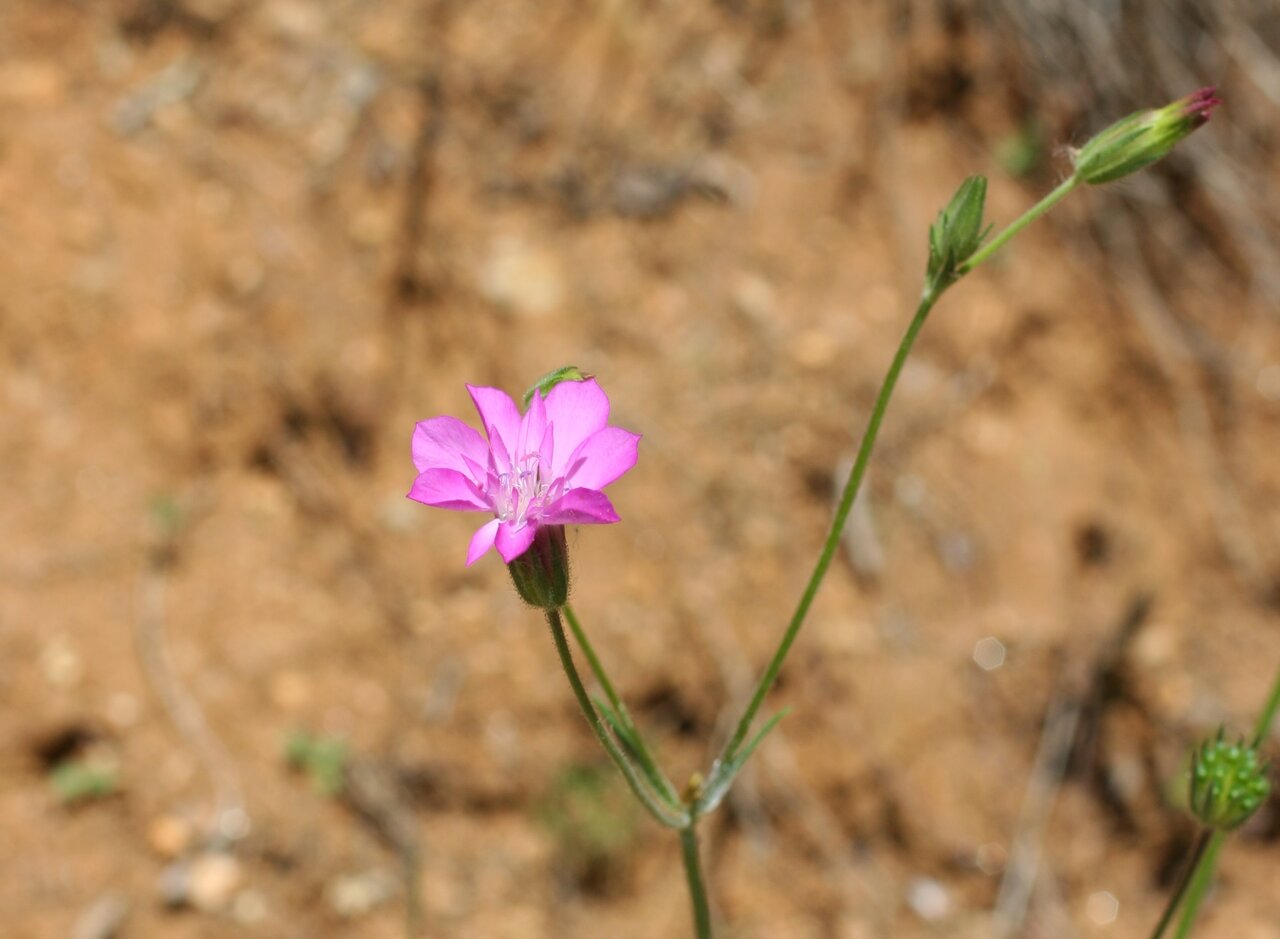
[
  {"x": 1184, "y": 879},
  {"x": 642, "y": 752},
  {"x": 693, "y": 874},
  {"x": 592, "y": 659},
  {"x": 931, "y": 295},
  {"x": 1033, "y": 213},
  {"x": 657, "y": 809},
  {"x": 850, "y": 492},
  {"x": 1200, "y": 880},
  {"x": 1263, "y": 727}
]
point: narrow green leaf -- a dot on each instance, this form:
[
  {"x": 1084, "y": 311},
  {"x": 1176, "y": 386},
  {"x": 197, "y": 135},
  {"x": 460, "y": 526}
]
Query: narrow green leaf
[
  {"x": 624, "y": 731},
  {"x": 722, "y": 776}
]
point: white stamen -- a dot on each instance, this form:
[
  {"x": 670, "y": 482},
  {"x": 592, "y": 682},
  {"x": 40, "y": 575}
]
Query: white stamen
[{"x": 521, "y": 492}]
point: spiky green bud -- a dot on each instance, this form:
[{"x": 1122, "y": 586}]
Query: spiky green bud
[{"x": 1227, "y": 783}]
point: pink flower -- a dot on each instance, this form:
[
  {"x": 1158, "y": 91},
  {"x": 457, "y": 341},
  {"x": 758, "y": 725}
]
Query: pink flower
[{"x": 545, "y": 468}]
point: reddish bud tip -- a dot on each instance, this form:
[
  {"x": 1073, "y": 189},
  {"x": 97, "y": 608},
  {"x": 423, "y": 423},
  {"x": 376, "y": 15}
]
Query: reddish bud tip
[{"x": 1199, "y": 106}]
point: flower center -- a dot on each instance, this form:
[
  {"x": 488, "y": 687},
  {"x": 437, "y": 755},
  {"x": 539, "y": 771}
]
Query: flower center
[{"x": 523, "y": 492}]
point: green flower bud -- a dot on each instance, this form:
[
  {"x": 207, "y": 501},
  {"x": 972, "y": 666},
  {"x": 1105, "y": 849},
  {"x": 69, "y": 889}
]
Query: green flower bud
[
  {"x": 1142, "y": 138},
  {"x": 551, "y": 379},
  {"x": 957, "y": 233},
  {"x": 541, "y": 574},
  {"x": 1227, "y": 783}
]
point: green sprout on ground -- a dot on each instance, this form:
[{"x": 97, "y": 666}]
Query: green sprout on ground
[
  {"x": 593, "y": 821},
  {"x": 323, "y": 759},
  {"x": 77, "y": 781}
]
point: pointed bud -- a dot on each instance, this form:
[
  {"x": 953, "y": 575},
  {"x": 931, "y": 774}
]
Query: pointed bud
[
  {"x": 551, "y": 379},
  {"x": 1142, "y": 138},
  {"x": 957, "y": 233},
  {"x": 541, "y": 574},
  {"x": 1227, "y": 783}
]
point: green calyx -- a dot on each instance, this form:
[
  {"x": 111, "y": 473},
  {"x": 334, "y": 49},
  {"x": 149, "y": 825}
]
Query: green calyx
[
  {"x": 1228, "y": 784},
  {"x": 957, "y": 233},
  {"x": 541, "y": 574}
]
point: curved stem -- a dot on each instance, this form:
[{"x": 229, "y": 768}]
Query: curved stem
[
  {"x": 850, "y": 492},
  {"x": 931, "y": 294},
  {"x": 643, "y": 754},
  {"x": 693, "y": 874},
  {"x": 657, "y": 809},
  {"x": 1033, "y": 213},
  {"x": 1263, "y": 727},
  {"x": 1200, "y": 880},
  {"x": 1184, "y": 879}
]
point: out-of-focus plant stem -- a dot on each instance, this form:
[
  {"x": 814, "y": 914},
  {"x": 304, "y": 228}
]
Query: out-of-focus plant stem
[{"x": 1184, "y": 881}]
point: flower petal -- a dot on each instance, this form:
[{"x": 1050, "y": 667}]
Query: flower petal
[
  {"x": 500, "y": 416},
  {"x": 513, "y": 542},
  {"x": 447, "y": 443},
  {"x": 532, "y": 427},
  {"x": 602, "y": 458},
  {"x": 448, "y": 489},
  {"x": 577, "y": 409},
  {"x": 579, "y": 507},
  {"x": 482, "y": 541}
]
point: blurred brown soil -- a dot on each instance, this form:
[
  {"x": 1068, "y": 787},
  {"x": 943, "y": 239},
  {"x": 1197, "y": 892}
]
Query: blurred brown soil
[{"x": 246, "y": 245}]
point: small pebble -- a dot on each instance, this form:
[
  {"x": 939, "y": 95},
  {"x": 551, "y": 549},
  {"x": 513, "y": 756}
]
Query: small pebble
[
  {"x": 990, "y": 858},
  {"x": 249, "y": 908},
  {"x": 174, "y": 884},
  {"x": 957, "y": 551},
  {"x": 928, "y": 899},
  {"x": 1102, "y": 908},
  {"x": 170, "y": 836},
  {"x": 1268, "y": 381},
  {"x": 206, "y": 883},
  {"x": 61, "y": 663},
  {"x": 357, "y": 894},
  {"x": 290, "y": 690},
  {"x": 989, "y": 653},
  {"x": 293, "y": 19},
  {"x": 123, "y": 710},
  {"x": 813, "y": 349},
  {"x": 522, "y": 278},
  {"x": 754, "y": 298}
]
